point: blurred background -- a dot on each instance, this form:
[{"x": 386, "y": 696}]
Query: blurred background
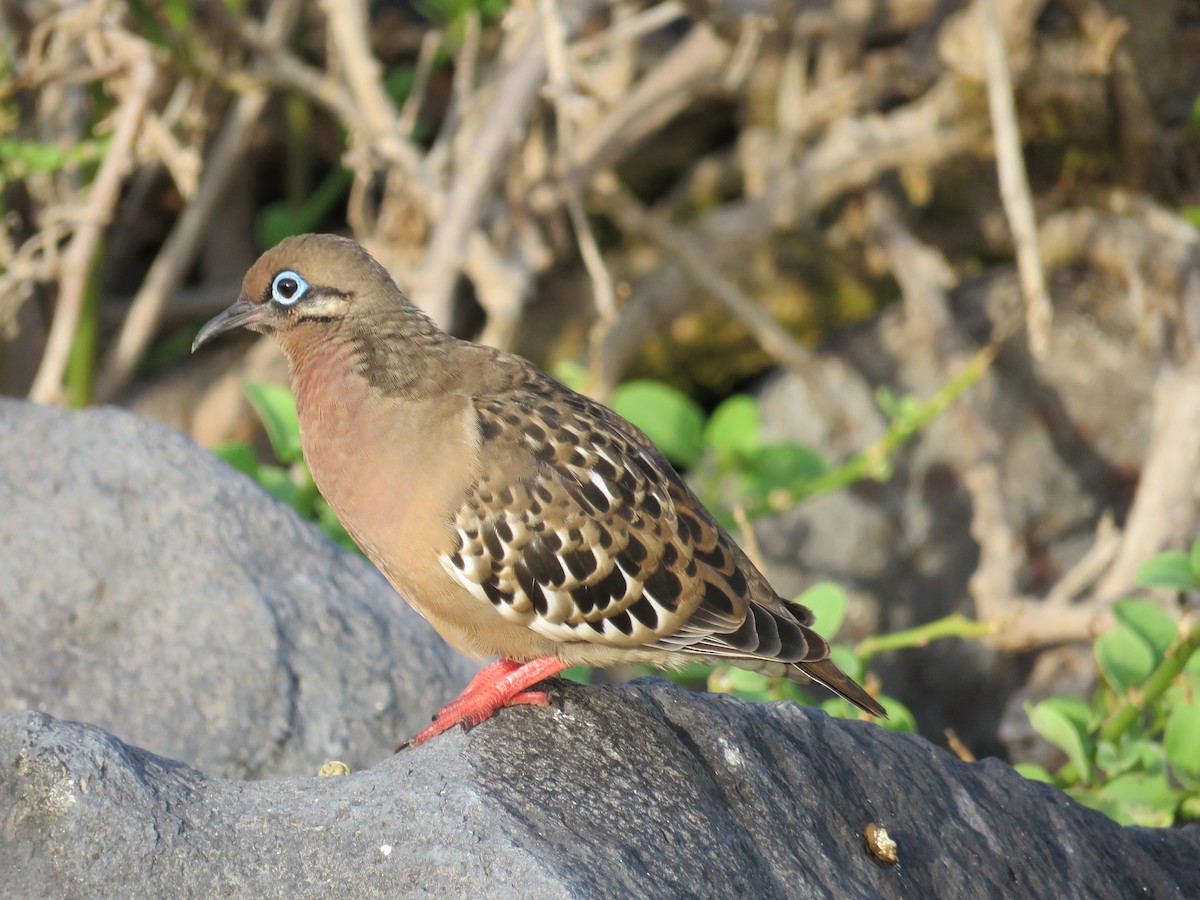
[{"x": 908, "y": 289}]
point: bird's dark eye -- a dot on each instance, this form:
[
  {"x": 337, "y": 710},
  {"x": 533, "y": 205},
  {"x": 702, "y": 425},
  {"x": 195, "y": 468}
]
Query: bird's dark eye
[{"x": 288, "y": 287}]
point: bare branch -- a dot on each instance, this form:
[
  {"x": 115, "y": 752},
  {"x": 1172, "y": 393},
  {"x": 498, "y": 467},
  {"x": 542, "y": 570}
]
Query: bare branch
[
  {"x": 516, "y": 92},
  {"x": 1014, "y": 185},
  {"x": 78, "y": 259}
]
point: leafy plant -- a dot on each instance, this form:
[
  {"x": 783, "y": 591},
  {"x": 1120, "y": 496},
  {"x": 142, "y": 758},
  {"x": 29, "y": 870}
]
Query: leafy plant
[{"x": 1133, "y": 751}]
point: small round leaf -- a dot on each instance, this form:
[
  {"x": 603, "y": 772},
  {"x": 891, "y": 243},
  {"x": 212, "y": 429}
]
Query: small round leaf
[{"x": 1125, "y": 658}]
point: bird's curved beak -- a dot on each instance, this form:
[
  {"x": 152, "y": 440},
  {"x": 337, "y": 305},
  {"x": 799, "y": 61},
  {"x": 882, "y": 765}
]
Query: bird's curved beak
[{"x": 243, "y": 312}]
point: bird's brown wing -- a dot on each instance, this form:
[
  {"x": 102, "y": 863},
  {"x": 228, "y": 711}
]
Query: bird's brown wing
[{"x": 579, "y": 529}]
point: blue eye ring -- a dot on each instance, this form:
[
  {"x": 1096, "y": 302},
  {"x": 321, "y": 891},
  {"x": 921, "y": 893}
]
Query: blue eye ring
[{"x": 288, "y": 287}]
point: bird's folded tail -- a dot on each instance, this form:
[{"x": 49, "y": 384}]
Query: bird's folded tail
[{"x": 826, "y": 673}]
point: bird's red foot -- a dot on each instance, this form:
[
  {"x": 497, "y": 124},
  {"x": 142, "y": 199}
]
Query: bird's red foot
[{"x": 502, "y": 683}]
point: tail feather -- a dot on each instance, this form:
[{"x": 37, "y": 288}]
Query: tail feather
[{"x": 826, "y": 673}]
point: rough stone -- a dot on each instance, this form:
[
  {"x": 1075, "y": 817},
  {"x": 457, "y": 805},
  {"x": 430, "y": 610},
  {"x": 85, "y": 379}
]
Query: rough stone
[
  {"x": 150, "y": 589},
  {"x": 641, "y": 790}
]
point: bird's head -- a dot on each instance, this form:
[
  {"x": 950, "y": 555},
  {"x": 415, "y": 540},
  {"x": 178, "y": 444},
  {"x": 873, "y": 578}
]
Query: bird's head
[{"x": 320, "y": 279}]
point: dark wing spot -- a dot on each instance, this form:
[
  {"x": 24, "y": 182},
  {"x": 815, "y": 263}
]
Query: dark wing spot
[
  {"x": 635, "y": 551},
  {"x": 596, "y": 497},
  {"x": 494, "y": 593},
  {"x": 456, "y": 558},
  {"x": 627, "y": 486},
  {"x": 648, "y": 469},
  {"x": 532, "y": 589},
  {"x": 645, "y": 613},
  {"x": 489, "y": 429},
  {"x": 605, "y": 469},
  {"x": 504, "y": 531},
  {"x": 670, "y": 555},
  {"x": 623, "y": 622},
  {"x": 580, "y": 563},
  {"x": 492, "y": 541},
  {"x": 543, "y": 564},
  {"x": 665, "y": 587},
  {"x": 737, "y": 581},
  {"x": 689, "y": 527},
  {"x": 720, "y": 602},
  {"x": 590, "y": 597},
  {"x": 652, "y": 507},
  {"x": 717, "y": 557}
]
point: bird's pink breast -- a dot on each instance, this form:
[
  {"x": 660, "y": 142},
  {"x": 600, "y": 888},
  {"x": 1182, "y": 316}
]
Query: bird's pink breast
[{"x": 372, "y": 457}]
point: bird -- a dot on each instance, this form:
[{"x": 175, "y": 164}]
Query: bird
[{"x": 522, "y": 520}]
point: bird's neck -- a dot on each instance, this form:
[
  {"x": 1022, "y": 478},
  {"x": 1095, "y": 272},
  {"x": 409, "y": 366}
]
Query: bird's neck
[{"x": 399, "y": 356}]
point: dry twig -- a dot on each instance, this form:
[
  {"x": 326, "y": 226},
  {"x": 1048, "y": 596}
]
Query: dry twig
[
  {"x": 1014, "y": 185},
  {"x": 105, "y": 190}
]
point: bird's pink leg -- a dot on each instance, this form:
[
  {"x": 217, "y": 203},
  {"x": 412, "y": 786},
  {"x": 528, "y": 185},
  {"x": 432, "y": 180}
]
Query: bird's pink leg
[{"x": 502, "y": 683}]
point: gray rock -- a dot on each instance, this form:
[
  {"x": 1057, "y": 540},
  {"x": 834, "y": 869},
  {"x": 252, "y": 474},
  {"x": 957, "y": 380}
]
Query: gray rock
[
  {"x": 150, "y": 589},
  {"x": 642, "y": 790}
]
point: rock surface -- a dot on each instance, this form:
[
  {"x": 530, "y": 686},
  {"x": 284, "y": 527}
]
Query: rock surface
[
  {"x": 151, "y": 590},
  {"x": 640, "y": 790}
]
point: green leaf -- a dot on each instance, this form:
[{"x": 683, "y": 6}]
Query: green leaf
[
  {"x": 1034, "y": 772},
  {"x": 1194, "y": 562},
  {"x": 1127, "y": 755},
  {"x": 577, "y": 674},
  {"x": 240, "y": 456},
  {"x": 1149, "y": 622},
  {"x": 734, "y": 429},
  {"x": 276, "y": 482},
  {"x": 1148, "y": 798},
  {"x": 741, "y": 683},
  {"x": 828, "y": 603},
  {"x": 1125, "y": 658},
  {"x": 1092, "y": 800},
  {"x": 1063, "y": 722},
  {"x": 783, "y": 466},
  {"x": 572, "y": 374},
  {"x": 670, "y": 418},
  {"x": 1182, "y": 739},
  {"x": 1171, "y": 570},
  {"x": 1189, "y": 808},
  {"x": 276, "y": 407},
  {"x": 900, "y": 717}
]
